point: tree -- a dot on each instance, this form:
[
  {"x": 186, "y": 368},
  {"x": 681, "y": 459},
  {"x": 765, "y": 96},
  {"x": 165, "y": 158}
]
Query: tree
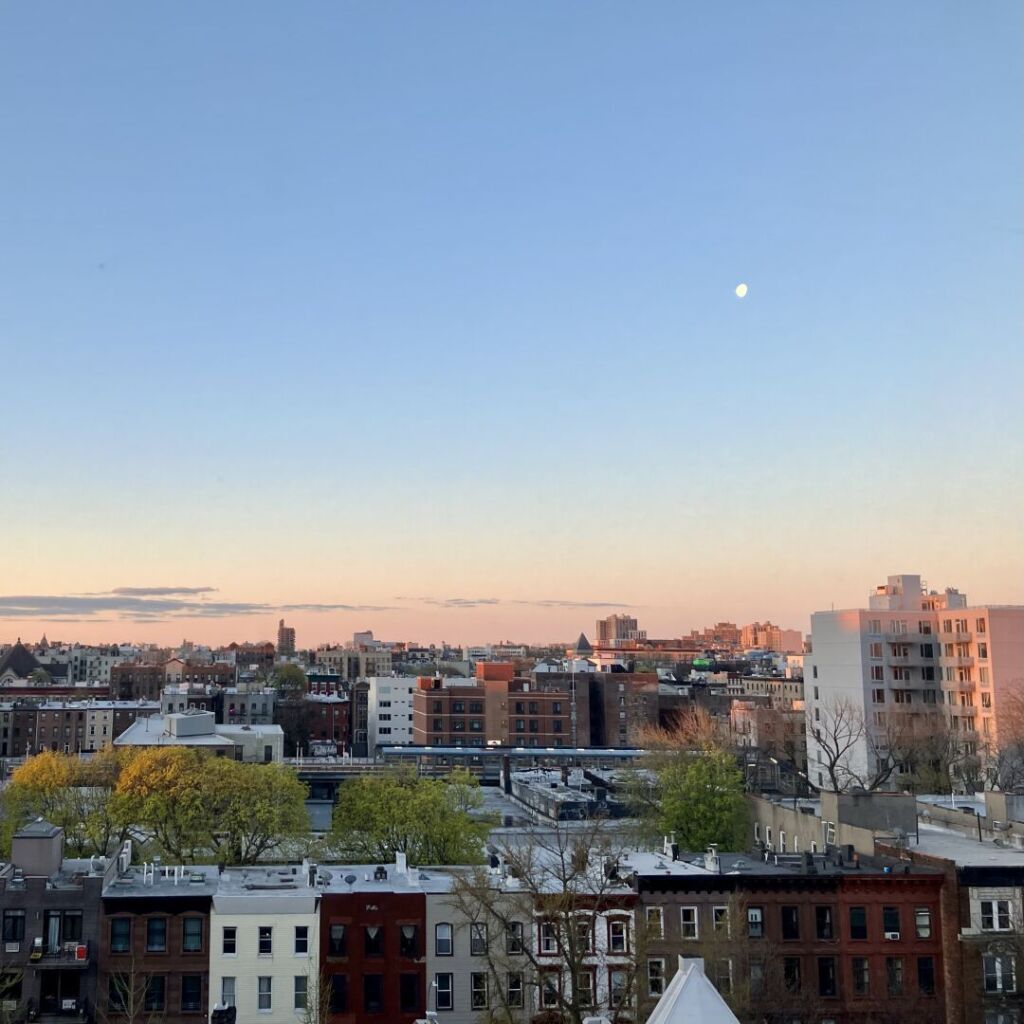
[
  {"x": 74, "y": 794},
  {"x": 690, "y": 785},
  {"x": 39, "y": 677},
  {"x": 378, "y": 816},
  {"x": 289, "y": 680},
  {"x": 463, "y": 791},
  {"x": 125, "y": 999},
  {"x": 196, "y": 806},
  {"x": 541, "y": 927},
  {"x": 701, "y": 801}
]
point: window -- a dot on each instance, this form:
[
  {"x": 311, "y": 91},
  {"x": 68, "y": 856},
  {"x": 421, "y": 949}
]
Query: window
[
  {"x": 655, "y": 921},
  {"x": 514, "y": 937},
  {"x": 894, "y": 975},
  {"x": 373, "y": 940},
  {"x": 861, "y": 975},
  {"x": 618, "y": 989},
  {"x": 548, "y": 937},
  {"x": 995, "y": 915},
  {"x": 264, "y": 993},
  {"x": 858, "y": 923},
  {"x": 301, "y": 939},
  {"x": 823, "y": 922},
  {"x": 790, "y": 922},
  {"x": 373, "y": 993},
  {"x": 443, "y": 992},
  {"x": 477, "y": 938},
  {"x": 550, "y": 983},
  {"x": 442, "y": 940},
  {"x": 878, "y": 695},
  {"x": 979, "y": 626},
  {"x": 336, "y": 940},
  {"x": 756, "y": 978},
  {"x": 514, "y": 989},
  {"x": 923, "y": 922},
  {"x": 227, "y": 991},
  {"x": 192, "y": 935},
  {"x": 339, "y": 993},
  {"x": 791, "y": 973},
  {"x": 655, "y": 977},
  {"x": 926, "y": 975},
  {"x": 585, "y": 988},
  {"x": 299, "y": 996},
  {"x": 688, "y": 923},
  {"x": 156, "y": 987},
  {"x": 120, "y": 933},
  {"x": 408, "y": 941},
  {"x": 14, "y": 927},
  {"x": 755, "y": 922},
  {"x": 409, "y": 993},
  {"x": 1000, "y": 973},
  {"x": 478, "y": 991},
  {"x": 827, "y": 976},
  {"x": 228, "y": 941},
  {"x": 877, "y": 673},
  {"x": 191, "y": 993},
  {"x": 584, "y": 935},
  {"x": 156, "y": 935},
  {"x": 618, "y": 936},
  {"x": 720, "y": 919}
]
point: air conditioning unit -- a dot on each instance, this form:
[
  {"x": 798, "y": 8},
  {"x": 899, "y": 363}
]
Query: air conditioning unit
[
  {"x": 12, "y": 947},
  {"x": 892, "y": 936}
]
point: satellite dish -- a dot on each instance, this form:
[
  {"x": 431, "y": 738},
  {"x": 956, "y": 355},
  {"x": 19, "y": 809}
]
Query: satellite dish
[{"x": 350, "y": 880}]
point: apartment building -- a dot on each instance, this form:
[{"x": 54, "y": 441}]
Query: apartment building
[
  {"x": 372, "y": 942},
  {"x": 617, "y": 629},
  {"x": 497, "y": 709},
  {"x": 355, "y": 662},
  {"x": 910, "y": 655},
  {"x": 154, "y": 959},
  {"x": 766, "y": 636},
  {"x": 51, "y": 926},
  {"x": 838, "y": 937},
  {"x": 389, "y": 711},
  {"x": 265, "y": 943}
]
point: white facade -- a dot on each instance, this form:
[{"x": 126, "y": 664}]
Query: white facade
[
  {"x": 911, "y": 652},
  {"x": 389, "y": 711},
  {"x": 264, "y": 945}
]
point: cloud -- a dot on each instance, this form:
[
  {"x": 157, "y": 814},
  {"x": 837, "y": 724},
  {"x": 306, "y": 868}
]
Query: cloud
[
  {"x": 161, "y": 591},
  {"x": 155, "y": 604},
  {"x": 476, "y": 602}
]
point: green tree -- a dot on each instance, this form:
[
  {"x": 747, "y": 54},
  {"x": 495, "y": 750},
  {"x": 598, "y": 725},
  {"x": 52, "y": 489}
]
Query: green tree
[
  {"x": 701, "y": 800},
  {"x": 290, "y": 680},
  {"x": 380, "y": 815},
  {"x": 196, "y": 806},
  {"x": 463, "y": 791}
]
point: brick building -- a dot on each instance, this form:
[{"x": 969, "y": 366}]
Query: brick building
[
  {"x": 372, "y": 943},
  {"x": 832, "y": 938},
  {"x": 155, "y": 941}
]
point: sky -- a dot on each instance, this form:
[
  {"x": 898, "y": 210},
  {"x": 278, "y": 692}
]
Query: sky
[{"x": 420, "y": 317}]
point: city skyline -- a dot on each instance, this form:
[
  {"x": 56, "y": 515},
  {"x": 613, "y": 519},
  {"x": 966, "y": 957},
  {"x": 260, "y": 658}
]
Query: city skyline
[
  {"x": 169, "y": 614},
  {"x": 325, "y": 304}
]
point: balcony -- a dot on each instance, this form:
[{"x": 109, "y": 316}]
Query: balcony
[
  {"x": 958, "y": 661},
  {"x": 955, "y": 638},
  {"x": 62, "y": 955},
  {"x": 906, "y": 638}
]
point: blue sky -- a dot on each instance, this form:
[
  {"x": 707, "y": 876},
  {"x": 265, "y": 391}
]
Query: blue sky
[{"x": 342, "y": 301}]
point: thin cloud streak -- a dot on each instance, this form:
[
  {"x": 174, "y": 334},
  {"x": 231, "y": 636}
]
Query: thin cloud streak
[{"x": 478, "y": 602}]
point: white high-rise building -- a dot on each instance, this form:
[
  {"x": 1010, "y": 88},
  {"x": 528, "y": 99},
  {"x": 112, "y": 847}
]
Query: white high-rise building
[
  {"x": 389, "y": 711},
  {"x": 910, "y": 654}
]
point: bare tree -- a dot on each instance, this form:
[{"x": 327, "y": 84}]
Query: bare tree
[
  {"x": 552, "y": 923},
  {"x": 126, "y": 998},
  {"x": 838, "y": 729},
  {"x": 317, "y": 1008}
]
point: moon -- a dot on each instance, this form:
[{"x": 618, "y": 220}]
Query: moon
[{"x": 741, "y": 291}]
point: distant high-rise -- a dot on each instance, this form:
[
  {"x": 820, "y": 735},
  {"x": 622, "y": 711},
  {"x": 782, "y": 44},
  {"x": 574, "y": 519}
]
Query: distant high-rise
[
  {"x": 617, "y": 629},
  {"x": 285, "y": 640}
]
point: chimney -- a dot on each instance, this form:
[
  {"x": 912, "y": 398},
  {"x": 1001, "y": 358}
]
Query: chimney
[{"x": 401, "y": 865}]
